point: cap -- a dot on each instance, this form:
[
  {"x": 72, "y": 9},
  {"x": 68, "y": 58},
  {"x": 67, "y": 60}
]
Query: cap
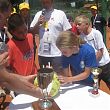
[
  {"x": 13, "y": 11},
  {"x": 94, "y": 7},
  {"x": 24, "y": 5}
]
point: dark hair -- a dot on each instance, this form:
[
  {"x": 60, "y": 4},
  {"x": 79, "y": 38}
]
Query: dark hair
[
  {"x": 14, "y": 21},
  {"x": 70, "y": 18},
  {"x": 4, "y": 5}
]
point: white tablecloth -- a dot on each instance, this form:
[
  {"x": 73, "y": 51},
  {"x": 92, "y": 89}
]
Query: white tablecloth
[{"x": 70, "y": 97}]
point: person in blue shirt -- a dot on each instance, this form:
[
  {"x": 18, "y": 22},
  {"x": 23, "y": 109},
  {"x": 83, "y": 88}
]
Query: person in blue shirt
[{"x": 77, "y": 54}]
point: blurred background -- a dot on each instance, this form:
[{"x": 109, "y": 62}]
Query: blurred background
[{"x": 73, "y": 8}]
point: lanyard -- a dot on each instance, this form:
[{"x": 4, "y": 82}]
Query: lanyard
[{"x": 94, "y": 20}]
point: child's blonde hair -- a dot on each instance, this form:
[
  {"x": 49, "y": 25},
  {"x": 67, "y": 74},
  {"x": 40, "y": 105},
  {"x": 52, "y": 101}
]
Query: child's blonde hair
[
  {"x": 68, "y": 39},
  {"x": 82, "y": 19}
]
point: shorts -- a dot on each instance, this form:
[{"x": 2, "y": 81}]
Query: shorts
[
  {"x": 55, "y": 62},
  {"x": 105, "y": 75}
]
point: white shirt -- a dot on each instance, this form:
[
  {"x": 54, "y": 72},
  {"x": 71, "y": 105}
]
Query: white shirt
[
  {"x": 95, "y": 39},
  {"x": 57, "y": 22}
]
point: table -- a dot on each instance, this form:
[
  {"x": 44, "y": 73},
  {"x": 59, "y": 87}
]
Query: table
[{"x": 70, "y": 97}]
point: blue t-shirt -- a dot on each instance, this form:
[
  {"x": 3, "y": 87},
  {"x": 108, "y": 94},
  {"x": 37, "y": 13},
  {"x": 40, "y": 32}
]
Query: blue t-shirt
[{"x": 85, "y": 58}]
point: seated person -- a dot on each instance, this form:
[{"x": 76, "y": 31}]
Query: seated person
[
  {"x": 21, "y": 48},
  {"x": 79, "y": 55}
]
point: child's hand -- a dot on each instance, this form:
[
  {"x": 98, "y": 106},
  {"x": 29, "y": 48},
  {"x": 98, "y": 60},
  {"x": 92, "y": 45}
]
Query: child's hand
[
  {"x": 4, "y": 58},
  {"x": 64, "y": 80}
]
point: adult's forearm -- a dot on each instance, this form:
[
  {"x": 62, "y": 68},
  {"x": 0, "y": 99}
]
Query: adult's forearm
[
  {"x": 23, "y": 88},
  {"x": 19, "y": 84}
]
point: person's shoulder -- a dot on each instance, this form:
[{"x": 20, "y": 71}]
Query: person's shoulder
[
  {"x": 96, "y": 31},
  {"x": 86, "y": 48},
  {"x": 84, "y": 45},
  {"x": 100, "y": 16},
  {"x": 29, "y": 36},
  {"x": 59, "y": 11},
  {"x": 38, "y": 12},
  {"x": 11, "y": 43}
]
